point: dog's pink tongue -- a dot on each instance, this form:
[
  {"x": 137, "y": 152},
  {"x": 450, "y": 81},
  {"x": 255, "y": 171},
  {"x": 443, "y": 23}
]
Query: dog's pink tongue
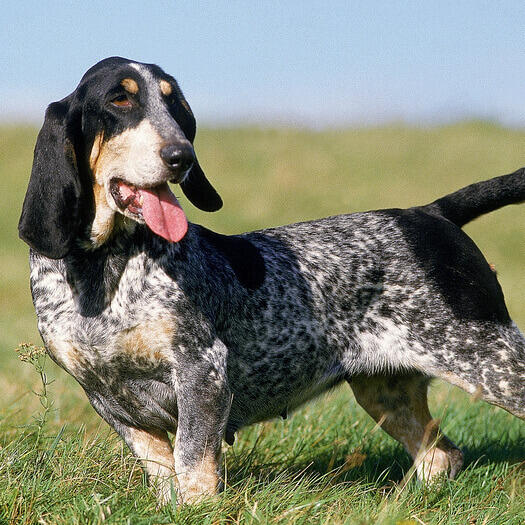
[{"x": 163, "y": 213}]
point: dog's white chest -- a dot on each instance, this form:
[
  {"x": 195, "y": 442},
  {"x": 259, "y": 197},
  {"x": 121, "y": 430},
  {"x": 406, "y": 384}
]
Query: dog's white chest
[{"x": 137, "y": 332}]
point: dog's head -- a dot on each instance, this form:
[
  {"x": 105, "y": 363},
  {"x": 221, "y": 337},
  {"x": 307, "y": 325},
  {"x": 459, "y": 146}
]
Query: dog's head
[{"x": 108, "y": 151}]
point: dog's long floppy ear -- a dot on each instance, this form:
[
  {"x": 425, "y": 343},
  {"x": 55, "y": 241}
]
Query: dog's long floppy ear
[
  {"x": 196, "y": 186},
  {"x": 50, "y": 214},
  {"x": 199, "y": 190}
]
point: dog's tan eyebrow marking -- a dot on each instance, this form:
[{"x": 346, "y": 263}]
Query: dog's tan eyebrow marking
[
  {"x": 165, "y": 87},
  {"x": 130, "y": 86}
]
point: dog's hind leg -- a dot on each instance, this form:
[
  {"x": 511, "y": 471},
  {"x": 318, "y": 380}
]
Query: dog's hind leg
[{"x": 398, "y": 402}]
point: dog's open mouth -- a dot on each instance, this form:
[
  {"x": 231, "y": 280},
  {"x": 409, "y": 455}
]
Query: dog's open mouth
[{"x": 157, "y": 206}]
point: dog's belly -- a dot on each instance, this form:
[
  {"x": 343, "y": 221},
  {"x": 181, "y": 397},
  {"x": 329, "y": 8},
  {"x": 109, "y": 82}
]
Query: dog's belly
[
  {"x": 261, "y": 403},
  {"x": 270, "y": 381}
]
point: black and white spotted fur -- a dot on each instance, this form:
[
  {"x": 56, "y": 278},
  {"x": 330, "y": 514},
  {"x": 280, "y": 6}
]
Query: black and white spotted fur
[{"x": 206, "y": 335}]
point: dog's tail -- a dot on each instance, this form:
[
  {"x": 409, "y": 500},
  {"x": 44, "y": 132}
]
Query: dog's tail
[{"x": 470, "y": 202}]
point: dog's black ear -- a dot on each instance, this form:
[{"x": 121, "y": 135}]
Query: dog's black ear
[
  {"x": 195, "y": 186},
  {"x": 50, "y": 214},
  {"x": 199, "y": 190}
]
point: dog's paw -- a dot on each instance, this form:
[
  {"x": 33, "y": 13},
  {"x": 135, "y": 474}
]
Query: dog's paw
[{"x": 438, "y": 464}]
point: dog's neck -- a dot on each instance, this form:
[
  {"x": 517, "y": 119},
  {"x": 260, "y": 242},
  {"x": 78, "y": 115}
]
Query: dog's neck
[{"x": 94, "y": 274}]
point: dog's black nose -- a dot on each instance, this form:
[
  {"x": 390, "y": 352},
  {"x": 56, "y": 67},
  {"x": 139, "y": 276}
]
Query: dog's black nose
[{"x": 177, "y": 157}]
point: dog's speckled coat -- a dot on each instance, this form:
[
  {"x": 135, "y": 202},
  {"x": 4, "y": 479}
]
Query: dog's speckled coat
[{"x": 212, "y": 333}]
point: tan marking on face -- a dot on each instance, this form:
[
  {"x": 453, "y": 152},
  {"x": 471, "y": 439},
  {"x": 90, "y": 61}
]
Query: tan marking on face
[
  {"x": 165, "y": 87},
  {"x": 156, "y": 454},
  {"x": 200, "y": 482},
  {"x": 151, "y": 340},
  {"x": 104, "y": 220},
  {"x": 133, "y": 155},
  {"x": 95, "y": 151},
  {"x": 185, "y": 105},
  {"x": 130, "y": 86}
]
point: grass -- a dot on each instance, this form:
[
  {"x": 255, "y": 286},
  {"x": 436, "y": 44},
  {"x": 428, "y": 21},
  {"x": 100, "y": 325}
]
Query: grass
[{"x": 328, "y": 463}]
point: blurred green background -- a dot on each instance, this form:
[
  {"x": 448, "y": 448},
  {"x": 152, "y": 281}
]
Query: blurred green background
[{"x": 269, "y": 177}]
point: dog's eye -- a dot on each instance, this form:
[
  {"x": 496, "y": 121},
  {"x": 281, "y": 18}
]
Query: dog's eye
[{"x": 122, "y": 101}]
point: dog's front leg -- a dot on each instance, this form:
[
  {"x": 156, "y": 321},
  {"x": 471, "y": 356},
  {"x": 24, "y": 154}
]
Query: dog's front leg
[
  {"x": 154, "y": 450},
  {"x": 151, "y": 445},
  {"x": 203, "y": 401}
]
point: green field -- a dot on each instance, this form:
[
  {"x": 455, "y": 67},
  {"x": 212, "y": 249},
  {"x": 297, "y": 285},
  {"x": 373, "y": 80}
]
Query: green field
[{"x": 327, "y": 463}]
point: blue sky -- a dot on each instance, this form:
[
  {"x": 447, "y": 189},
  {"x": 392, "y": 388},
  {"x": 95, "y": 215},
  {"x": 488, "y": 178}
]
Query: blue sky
[{"x": 300, "y": 62}]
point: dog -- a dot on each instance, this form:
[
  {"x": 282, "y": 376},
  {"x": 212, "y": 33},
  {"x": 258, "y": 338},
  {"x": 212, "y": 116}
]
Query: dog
[{"x": 170, "y": 327}]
